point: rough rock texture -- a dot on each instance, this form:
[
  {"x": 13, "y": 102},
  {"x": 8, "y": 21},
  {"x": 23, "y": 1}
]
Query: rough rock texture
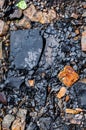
[
  {"x": 16, "y": 14},
  {"x": 24, "y": 23},
  {"x": 39, "y": 16},
  {"x": 26, "y": 48},
  {"x": 8, "y": 119},
  {"x": 3, "y": 28},
  {"x": 80, "y": 89}
]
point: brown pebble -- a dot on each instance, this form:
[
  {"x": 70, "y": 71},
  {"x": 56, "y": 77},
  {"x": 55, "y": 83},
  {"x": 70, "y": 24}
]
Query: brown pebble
[
  {"x": 61, "y": 92},
  {"x": 74, "y": 15}
]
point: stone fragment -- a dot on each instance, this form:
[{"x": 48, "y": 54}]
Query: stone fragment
[
  {"x": 19, "y": 123},
  {"x": 2, "y": 3},
  {"x": 84, "y": 14},
  {"x": 3, "y": 28},
  {"x": 1, "y": 50},
  {"x": 61, "y": 92},
  {"x": 45, "y": 123},
  {"x": 15, "y": 82},
  {"x": 74, "y": 121},
  {"x": 24, "y": 23},
  {"x": 75, "y": 16},
  {"x": 16, "y": 14},
  {"x": 39, "y": 16},
  {"x": 31, "y": 82},
  {"x": 84, "y": 5},
  {"x": 26, "y": 48},
  {"x": 3, "y": 98},
  {"x": 32, "y": 126},
  {"x": 6, "y": 123},
  {"x": 30, "y": 13},
  {"x": 77, "y": 31},
  {"x": 83, "y": 41},
  {"x": 68, "y": 76},
  {"x": 73, "y": 111},
  {"x": 80, "y": 89},
  {"x": 67, "y": 98},
  {"x": 22, "y": 114},
  {"x": 83, "y": 80}
]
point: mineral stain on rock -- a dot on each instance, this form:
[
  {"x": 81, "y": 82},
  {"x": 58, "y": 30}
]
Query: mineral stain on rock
[{"x": 26, "y": 48}]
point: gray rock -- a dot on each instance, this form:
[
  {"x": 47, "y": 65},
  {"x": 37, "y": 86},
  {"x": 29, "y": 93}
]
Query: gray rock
[
  {"x": 14, "y": 82},
  {"x": 26, "y": 48},
  {"x": 6, "y": 123},
  {"x": 45, "y": 123},
  {"x": 16, "y": 14}
]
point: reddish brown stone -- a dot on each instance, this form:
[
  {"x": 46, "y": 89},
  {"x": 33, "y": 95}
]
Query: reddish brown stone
[{"x": 68, "y": 76}]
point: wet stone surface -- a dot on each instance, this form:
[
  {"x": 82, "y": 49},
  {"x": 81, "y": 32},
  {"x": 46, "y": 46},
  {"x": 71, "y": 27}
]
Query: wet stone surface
[{"x": 26, "y": 48}]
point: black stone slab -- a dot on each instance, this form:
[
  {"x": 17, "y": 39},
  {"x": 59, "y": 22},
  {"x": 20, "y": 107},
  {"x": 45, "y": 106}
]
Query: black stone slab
[{"x": 26, "y": 47}]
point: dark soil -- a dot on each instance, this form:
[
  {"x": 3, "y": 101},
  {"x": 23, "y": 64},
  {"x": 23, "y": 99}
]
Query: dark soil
[{"x": 39, "y": 52}]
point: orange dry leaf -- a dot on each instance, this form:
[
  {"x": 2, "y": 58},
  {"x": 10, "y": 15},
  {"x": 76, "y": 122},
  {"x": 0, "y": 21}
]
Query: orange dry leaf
[
  {"x": 31, "y": 82},
  {"x": 62, "y": 92},
  {"x": 73, "y": 111},
  {"x": 68, "y": 76}
]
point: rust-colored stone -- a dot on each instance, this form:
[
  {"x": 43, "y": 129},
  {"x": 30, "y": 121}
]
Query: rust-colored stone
[{"x": 68, "y": 76}]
